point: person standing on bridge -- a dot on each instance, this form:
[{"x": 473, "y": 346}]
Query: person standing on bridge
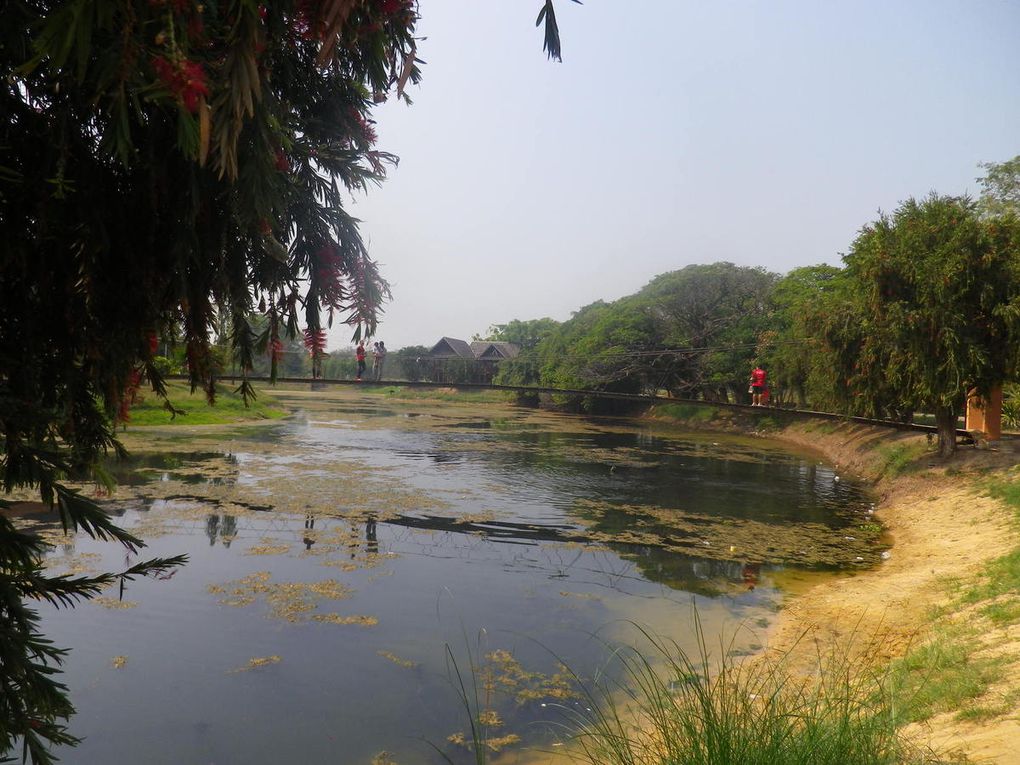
[
  {"x": 359, "y": 354},
  {"x": 379, "y": 360},
  {"x": 757, "y": 385}
]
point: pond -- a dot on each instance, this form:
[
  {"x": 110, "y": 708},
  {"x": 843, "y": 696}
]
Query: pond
[{"x": 340, "y": 558}]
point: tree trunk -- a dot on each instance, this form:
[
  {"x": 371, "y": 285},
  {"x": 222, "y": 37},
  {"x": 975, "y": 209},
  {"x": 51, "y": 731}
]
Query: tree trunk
[{"x": 945, "y": 421}]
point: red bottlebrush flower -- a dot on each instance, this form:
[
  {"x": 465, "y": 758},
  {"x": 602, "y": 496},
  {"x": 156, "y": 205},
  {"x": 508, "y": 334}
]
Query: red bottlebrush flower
[
  {"x": 194, "y": 85},
  {"x": 364, "y": 126},
  {"x": 128, "y": 397},
  {"x": 315, "y": 341},
  {"x": 185, "y": 80},
  {"x": 393, "y": 7},
  {"x": 166, "y": 71},
  {"x": 153, "y": 343},
  {"x": 282, "y": 163},
  {"x": 264, "y": 228},
  {"x": 276, "y": 349},
  {"x": 307, "y": 21},
  {"x": 263, "y": 12},
  {"x": 328, "y": 276}
]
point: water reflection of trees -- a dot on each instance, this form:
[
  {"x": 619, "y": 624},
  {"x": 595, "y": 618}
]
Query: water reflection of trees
[
  {"x": 523, "y": 548},
  {"x": 138, "y": 469},
  {"x": 221, "y": 525},
  {"x": 725, "y": 478},
  {"x": 702, "y": 576},
  {"x": 529, "y": 547}
]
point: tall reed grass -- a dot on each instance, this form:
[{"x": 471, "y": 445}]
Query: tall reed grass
[
  {"x": 654, "y": 703},
  {"x": 662, "y": 706}
]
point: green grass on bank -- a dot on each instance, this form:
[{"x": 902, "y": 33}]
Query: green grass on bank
[
  {"x": 997, "y": 592},
  {"x": 897, "y": 459},
  {"x": 1007, "y": 490},
  {"x": 229, "y": 407},
  {"x": 954, "y": 670},
  {"x": 944, "y": 674},
  {"x": 693, "y": 413}
]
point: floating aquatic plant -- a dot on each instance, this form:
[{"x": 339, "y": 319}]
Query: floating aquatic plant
[
  {"x": 290, "y": 601},
  {"x": 114, "y": 603},
  {"x": 356, "y": 619},
  {"x": 406, "y": 663},
  {"x": 268, "y": 548},
  {"x": 257, "y": 662},
  {"x": 494, "y": 744}
]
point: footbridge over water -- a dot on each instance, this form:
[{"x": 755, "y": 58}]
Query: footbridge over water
[{"x": 638, "y": 398}]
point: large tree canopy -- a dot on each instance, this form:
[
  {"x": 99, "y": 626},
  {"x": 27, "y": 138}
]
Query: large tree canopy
[
  {"x": 712, "y": 315},
  {"x": 931, "y": 310},
  {"x": 525, "y": 334},
  {"x": 693, "y": 332}
]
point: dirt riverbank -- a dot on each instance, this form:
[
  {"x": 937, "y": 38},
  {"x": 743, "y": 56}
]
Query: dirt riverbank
[{"x": 945, "y": 531}]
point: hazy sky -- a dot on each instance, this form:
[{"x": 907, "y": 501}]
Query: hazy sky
[{"x": 674, "y": 132}]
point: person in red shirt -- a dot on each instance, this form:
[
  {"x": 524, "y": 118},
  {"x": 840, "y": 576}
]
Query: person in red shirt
[
  {"x": 757, "y": 385},
  {"x": 359, "y": 354}
]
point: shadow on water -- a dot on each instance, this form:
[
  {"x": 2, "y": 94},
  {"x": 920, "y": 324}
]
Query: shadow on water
[{"x": 140, "y": 468}]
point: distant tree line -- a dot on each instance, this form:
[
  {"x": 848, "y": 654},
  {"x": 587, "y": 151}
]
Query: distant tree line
[{"x": 925, "y": 309}]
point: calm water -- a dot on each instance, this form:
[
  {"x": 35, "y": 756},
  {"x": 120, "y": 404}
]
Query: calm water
[{"x": 342, "y": 551}]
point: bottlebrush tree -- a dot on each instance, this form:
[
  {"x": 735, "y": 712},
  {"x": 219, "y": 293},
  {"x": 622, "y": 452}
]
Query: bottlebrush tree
[{"x": 165, "y": 165}]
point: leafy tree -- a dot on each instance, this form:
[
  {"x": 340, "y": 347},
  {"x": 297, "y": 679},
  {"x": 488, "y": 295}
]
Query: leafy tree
[
  {"x": 789, "y": 349},
  {"x": 527, "y": 334},
  {"x": 409, "y": 360},
  {"x": 524, "y": 334},
  {"x": 691, "y": 331},
  {"x": 596, "y": 349},
  {"x": 932, "y": 310},
  {"x": 711, "y": 316},
  {"x": 1001, "y": 192}
]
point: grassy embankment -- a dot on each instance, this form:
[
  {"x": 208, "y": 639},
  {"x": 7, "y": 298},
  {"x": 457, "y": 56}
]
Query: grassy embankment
[
  {"x": 229, "y": 408},
  {"x": 959, "y": 670}
]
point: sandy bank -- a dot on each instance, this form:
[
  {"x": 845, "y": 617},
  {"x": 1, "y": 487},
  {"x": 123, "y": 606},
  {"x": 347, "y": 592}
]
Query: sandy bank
[{"x": 943, "y": 531}]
